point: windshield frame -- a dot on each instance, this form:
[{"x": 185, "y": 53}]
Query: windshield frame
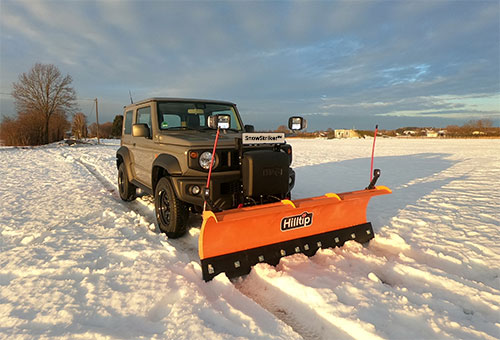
[{"x": 236, "y": 123}]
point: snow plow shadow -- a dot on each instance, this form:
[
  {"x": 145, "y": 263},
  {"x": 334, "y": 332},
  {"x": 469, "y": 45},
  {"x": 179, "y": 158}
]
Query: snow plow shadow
[{"x": 419, "y": 171}]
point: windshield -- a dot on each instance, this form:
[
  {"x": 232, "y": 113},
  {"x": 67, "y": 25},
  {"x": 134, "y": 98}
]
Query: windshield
[{"x": 193, "y": 116}]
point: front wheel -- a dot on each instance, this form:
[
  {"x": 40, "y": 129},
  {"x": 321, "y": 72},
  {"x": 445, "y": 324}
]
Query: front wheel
[{"x": 171, "y": 213}]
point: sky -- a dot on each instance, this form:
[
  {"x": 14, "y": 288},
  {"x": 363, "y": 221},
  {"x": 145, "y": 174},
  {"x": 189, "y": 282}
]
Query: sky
[{"x": 339, "y": 64}]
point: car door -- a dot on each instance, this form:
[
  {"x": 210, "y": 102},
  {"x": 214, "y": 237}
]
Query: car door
[
  {"x": 127, "y": 140},
  {"x": 144, "y": 147}
]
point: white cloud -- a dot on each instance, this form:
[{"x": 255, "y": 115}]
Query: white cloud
[{"x": 405, "y": 74}]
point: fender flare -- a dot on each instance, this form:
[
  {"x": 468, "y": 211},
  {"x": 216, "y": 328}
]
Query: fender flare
[
  {"x": 123, "y": 156},
  {"x": 169, "y": 164}
]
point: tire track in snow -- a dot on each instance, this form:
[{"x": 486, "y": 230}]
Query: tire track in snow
[
  {"x": 144, "y": 208},
  {"x": 301, "y": 314},
  {"x": 309, "y": 310}
]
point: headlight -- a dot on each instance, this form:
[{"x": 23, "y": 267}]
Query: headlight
[{"x": 205, "y": 159}]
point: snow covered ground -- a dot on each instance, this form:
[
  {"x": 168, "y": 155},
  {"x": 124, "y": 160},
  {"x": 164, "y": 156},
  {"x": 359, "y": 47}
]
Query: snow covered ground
[{"x": 76, "y": 262}]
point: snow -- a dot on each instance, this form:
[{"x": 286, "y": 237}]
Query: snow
[{"x": 77, "y": 262}]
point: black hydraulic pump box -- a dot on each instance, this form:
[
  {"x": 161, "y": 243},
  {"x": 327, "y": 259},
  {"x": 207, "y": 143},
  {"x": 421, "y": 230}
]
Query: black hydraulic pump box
[{"x": 265, "y": 172}]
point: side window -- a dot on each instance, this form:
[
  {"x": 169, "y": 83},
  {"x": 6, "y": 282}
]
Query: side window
[
  {"x": 128, "y": 123},
  {"x": 144, "y": 116}
]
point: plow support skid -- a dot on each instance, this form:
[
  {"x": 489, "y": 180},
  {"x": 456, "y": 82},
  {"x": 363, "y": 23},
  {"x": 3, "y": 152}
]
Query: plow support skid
[{"x": 232, "y": 241}]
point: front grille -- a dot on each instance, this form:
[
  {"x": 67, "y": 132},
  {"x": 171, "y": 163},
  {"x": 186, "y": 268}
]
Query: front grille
[
  {"x": 230, "y": 188},
  {"x": 228, "y": 160}
]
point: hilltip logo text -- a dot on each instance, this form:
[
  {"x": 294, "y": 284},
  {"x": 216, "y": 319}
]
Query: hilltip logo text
[{"x": 298, "y": 221}]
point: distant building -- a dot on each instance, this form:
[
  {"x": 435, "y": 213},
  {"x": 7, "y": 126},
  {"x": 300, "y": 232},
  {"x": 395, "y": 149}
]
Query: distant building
[
  {"x": 431, "y": 133},
  {"x": 343, "y": 133},
  {"x": 409, "y": 133},
  {"x": 478, "y": 133}
]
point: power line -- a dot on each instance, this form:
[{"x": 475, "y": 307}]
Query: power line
[{"x": 91, "y": 110}]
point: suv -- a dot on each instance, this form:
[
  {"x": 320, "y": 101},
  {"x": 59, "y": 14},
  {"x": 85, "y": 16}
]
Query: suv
[{"x": 166, "y": 150}]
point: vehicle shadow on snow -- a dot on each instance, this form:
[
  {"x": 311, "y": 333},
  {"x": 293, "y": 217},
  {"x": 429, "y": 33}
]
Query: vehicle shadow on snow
[{"x": 409, "y": 177}]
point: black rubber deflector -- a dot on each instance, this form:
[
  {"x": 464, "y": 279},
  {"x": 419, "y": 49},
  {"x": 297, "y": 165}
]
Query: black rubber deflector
[{"x": 240, "y": 263}]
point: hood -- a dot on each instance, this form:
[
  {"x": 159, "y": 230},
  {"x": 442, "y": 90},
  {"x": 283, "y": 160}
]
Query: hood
[{"x": 201, "y": 139}]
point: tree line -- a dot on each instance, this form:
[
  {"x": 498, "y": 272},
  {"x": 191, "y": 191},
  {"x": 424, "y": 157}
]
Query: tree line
[
  {"x": 46, "y": 109},
  {"x": 471, "y": 129}
]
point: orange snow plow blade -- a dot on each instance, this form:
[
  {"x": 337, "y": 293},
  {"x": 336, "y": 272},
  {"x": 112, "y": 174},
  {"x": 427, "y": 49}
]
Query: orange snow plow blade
[{"x": 232, "y": 241}]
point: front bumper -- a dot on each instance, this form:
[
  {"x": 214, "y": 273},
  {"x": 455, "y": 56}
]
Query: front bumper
[{"x": 225, "y": 189}]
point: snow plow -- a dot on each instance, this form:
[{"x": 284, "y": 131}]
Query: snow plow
[{"x": 234, "y": 240}]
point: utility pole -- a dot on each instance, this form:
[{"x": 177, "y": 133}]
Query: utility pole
[{"x": 97, "y": 120}]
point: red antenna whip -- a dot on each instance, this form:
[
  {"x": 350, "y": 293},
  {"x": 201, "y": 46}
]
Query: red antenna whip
[
  {"x": 373, "y": 152},
  {"x": 211, "y": 163}
]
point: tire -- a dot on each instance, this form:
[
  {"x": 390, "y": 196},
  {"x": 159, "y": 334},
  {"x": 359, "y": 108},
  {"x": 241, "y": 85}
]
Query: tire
[
  {"x": 126, "y": 189},
  {"x": 171, "y": 213}
]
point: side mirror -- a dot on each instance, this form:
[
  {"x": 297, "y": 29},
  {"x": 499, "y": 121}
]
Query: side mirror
[
  {"x": 249, "y": 128},
  {"x": 140, "y": 130},
  {"x": 219, "y": 121},
  {"x": 297, "y": 123}
]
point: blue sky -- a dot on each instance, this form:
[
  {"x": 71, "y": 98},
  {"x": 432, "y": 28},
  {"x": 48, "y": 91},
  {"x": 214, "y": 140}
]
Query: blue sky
[{"x": 339, "y": 64}]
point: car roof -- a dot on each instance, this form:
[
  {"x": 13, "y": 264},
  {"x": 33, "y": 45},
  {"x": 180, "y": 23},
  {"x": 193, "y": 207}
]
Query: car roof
[{"x": 188, "y": 100}]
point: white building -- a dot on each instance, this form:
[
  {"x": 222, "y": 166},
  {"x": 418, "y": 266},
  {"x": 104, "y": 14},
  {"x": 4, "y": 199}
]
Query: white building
[
  {"x": 343, "y": 133},
  {"x": 431, "y": 133}
]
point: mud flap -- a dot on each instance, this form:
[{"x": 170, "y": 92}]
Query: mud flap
[{"x": 232, "y": 241}]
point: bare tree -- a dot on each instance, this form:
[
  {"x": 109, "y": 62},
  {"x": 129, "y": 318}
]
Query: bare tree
[
  {"x": 28, "y": 129},
  {"x": 59, "y": 126},
  {"x": 79, "y": 126},
  {"x": 92, "y": 130},
  {"x": 43, "y": 91},
  {"x": 8, "y": 131},
  {"x": 104, "y": 130}
]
